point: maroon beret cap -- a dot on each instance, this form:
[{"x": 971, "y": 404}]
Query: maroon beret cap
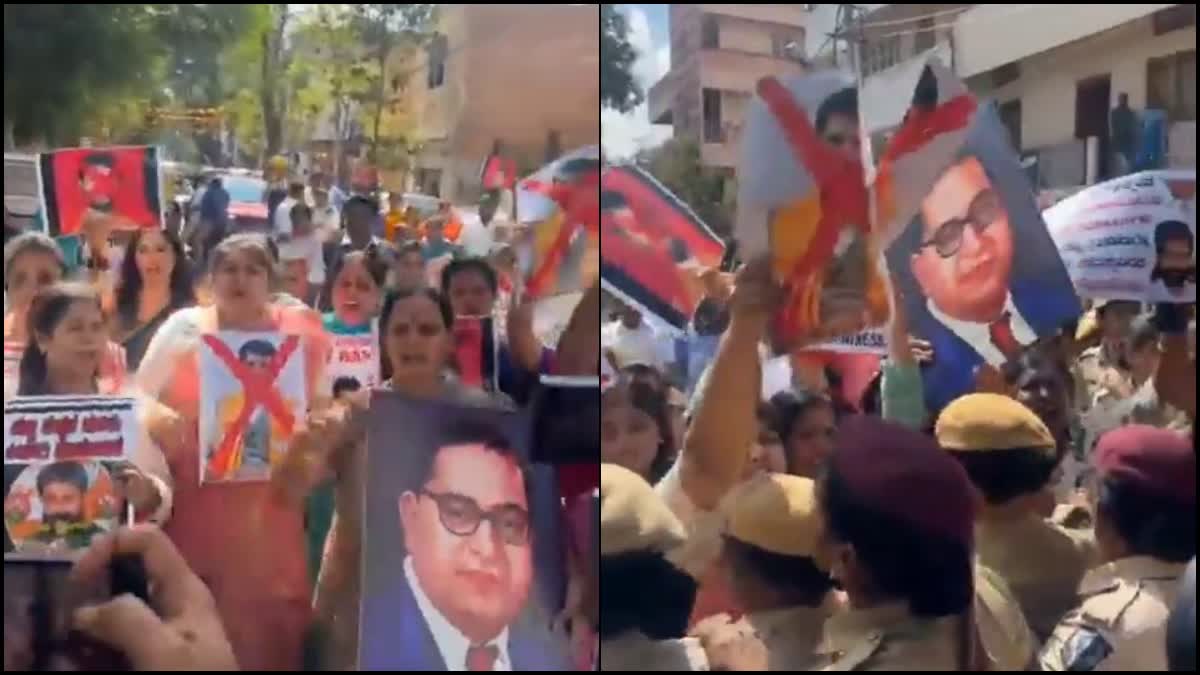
[
  {"x": 1160, "y": 461},
  {"x": 898, "y": 471}
]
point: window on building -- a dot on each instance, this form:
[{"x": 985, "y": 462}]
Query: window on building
[
  {"x": 710, "y": 32},
  {"x": 926, "y": 37},
  {"x": 712, "y": 116},
  {"x": 1171, "y": 85},
  {"x": 881, "y": 54},
  {"x": 1174, "y": 18},
  {"x": 435, "y": 74},
  {"x": 1010, "y": 117}
]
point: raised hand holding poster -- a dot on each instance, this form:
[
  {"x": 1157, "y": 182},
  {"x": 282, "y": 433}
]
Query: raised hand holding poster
[
  {"x": 122, "y": 183},
  {"x": 802, "y": 195},
  {"x": 979, "y": 274},
  {"x": 654, "y": 249},
  {"x": 60, "y": 455},
  {"x": 254, "y": 398},
  {"x": 558, "y": 247},
  {"x": 464, "y": 566},
  {"x": 1131, "y": 238}
]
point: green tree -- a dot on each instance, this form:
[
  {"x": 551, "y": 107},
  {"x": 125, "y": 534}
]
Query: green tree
[
  {"x": 709, "y": 192},
  {"x": 618, "y": 88},
  {"x": 382, "y": 28},
  {"x": 96, "y": 69},
  {"x": 63, "y": 61}
]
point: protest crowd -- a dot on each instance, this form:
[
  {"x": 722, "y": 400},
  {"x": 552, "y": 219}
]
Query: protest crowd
[{"x": 590, "y": 434}]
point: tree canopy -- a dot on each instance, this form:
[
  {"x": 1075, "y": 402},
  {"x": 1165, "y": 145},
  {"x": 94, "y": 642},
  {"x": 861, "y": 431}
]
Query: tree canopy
[{"x": 618, "y": 88}]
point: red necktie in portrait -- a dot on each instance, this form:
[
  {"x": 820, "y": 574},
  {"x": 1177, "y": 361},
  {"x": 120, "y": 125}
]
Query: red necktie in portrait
[
  {"x": 1001, "y": 333},
  {"x": 481, "y": 659}
]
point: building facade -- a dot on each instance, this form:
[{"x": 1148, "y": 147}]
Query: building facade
[
  {"x": 718, "y": 53},
  {"x": 525, "y": 77},
  {"x": 1054, "y": 72}
]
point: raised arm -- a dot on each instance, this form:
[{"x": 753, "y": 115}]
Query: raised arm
[
  {"x": 578, "y": 351},
  {"x": 901, "y": 392},
  {"x": 724, "y": 426}
]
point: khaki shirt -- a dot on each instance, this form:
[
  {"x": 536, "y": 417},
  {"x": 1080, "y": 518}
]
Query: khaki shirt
[
  {"x": 888, "y": 637},
  {"x": 790, "y": 636},
  {"x": 1121, "y": 624},
  {"x": 1041, "y": 562},
  {"x": 634, "y": 651},
  {"x": 1003, "y": 633}
]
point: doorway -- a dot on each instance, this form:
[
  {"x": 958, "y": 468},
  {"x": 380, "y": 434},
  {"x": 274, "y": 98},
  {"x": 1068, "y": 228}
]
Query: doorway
[{"x": 1093, "y": 98}]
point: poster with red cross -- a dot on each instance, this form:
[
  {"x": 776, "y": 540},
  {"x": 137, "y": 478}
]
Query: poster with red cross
[{"x": 254, "y": 399}]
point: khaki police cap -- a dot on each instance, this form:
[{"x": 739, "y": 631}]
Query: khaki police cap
[
  {"x": 981, "y": 422},
  {"x": 775, "y": 512},
  {"x": 632, "y": 516}
]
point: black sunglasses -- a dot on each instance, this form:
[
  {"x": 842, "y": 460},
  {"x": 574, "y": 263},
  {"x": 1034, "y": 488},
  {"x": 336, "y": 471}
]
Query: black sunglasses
[
  {"x": 947, "y": 238},
  {"x": 461, "y": 517}
]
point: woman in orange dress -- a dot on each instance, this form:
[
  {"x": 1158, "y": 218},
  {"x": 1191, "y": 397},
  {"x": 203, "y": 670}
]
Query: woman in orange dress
[{"x": 248, "y": 547}]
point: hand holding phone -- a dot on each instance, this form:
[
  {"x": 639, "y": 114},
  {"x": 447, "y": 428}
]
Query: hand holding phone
[{"x": 178, "y": 630}]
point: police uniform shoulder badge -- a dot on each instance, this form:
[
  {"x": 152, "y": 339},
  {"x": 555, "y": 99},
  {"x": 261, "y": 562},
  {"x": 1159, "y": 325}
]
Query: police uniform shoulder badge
[{"x": 1083, "y": 650}]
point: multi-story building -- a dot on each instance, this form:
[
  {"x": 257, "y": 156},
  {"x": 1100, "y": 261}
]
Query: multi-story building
[
  {"x": 718, "y": 53},
  {"x": 525, "y": 76},
  {"x": 1054, "y": 71}
]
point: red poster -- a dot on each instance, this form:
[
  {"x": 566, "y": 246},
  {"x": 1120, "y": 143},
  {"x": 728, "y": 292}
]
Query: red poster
[
  {"x": 653, "y": 247},
  {"x": 121, "y": 183}
]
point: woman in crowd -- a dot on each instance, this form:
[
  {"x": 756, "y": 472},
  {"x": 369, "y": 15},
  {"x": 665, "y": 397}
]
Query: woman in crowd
[
  {"x": 63, "y": 357},
  {"x": 357, "y": 287},
  {"x": 155, "y": 281},
  {"x": 416, "y": 345},
  {"x": 32, "y": 261},
  {"x": 247, "y": 546},
  {"x": 903, "y": 561}
]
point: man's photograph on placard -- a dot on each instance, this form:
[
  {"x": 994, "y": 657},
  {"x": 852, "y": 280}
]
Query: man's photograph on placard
[
  {"x": 254, "y": 397},
  {"x": 463, "y": 569},
  {"x": 61, "y": 455},
  {"x": 979, "y": 272}
]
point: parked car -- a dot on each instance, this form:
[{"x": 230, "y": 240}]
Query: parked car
[{"x": 247, "y": 203}]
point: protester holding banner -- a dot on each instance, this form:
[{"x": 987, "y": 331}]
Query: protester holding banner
[
  {"x": 32, "y": 262},
  {"x": 155, "y": 281},
  {"x": 249, "y": 547},
  {"x": 64, "y": 357}
]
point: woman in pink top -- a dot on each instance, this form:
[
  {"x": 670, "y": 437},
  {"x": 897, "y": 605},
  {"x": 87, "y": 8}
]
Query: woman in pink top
[{"x": 247, "y": 546}]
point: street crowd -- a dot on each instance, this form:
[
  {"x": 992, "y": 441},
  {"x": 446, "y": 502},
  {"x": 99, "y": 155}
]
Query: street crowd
[
  {"x": 1044, "y": 521},
  {"x": 264, "y": 575}
]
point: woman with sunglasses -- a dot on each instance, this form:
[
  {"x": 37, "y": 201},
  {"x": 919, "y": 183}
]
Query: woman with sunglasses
[{"x": 248, "y": 546}]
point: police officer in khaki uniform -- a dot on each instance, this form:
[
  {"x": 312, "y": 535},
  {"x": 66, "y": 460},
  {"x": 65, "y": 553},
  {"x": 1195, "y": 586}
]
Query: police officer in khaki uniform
[
  {"x": 1146, "y": 532},
  {"x": 1105, "y": 366},
  {"x": 769, "y": 539},
  {"x": 645, "y": 600},
  {"x": 1009, "y": 455},
  {"x": 896, "y": 515}
]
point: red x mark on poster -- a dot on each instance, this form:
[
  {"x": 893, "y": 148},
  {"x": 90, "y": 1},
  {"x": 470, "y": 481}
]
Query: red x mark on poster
[{"x": 258, "y": 387}]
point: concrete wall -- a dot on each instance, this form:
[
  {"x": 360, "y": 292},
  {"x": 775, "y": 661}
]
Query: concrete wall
[
  {"x": 1047, "y": 83},
  {"x": 989, "y": 36},
  {"x": 514, "y": 73}
]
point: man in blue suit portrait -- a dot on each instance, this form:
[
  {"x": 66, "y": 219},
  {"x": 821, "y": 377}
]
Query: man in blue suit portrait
[
  {"x": 458, "y": 598},
  {"x": 976, "y": 314}
]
